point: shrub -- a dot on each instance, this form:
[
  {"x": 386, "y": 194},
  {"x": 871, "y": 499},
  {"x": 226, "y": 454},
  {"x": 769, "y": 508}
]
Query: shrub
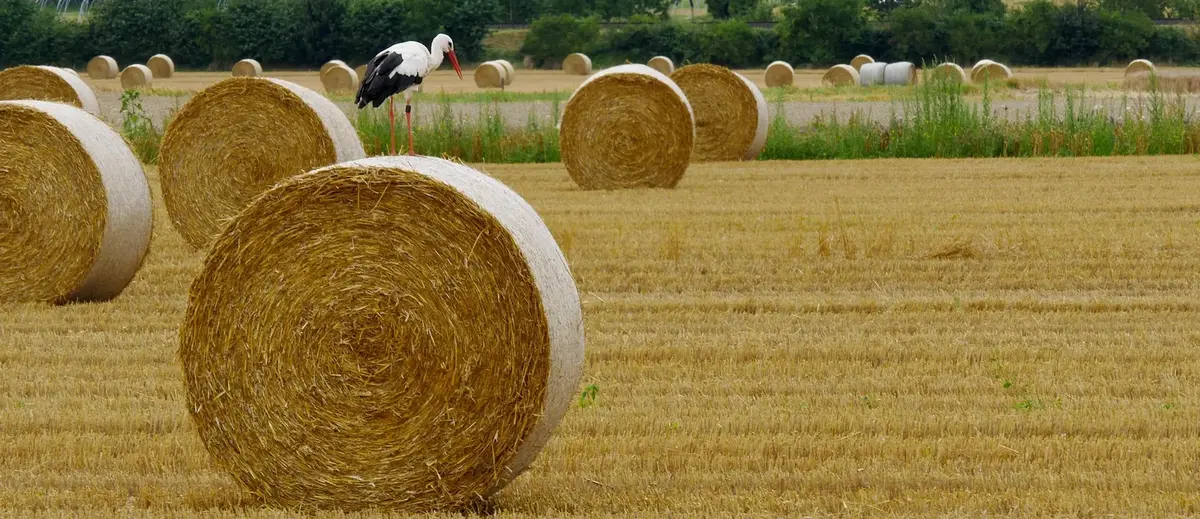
[
  {"x": 822, "y": 31},
  {"x": 552, "y": 38}
]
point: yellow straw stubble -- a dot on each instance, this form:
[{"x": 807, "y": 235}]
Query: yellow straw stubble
[
  {"x": 76, "y": 205},
  {"x": 731, "y": 113},
  {"x": 628, "y": 126},
  {"x": 395, "y": 332},
  {"x": 237, "y": 138},
  {"x": 47, "y": 84}
]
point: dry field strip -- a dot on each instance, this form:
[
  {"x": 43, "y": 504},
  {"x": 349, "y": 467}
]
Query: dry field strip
[{"x": 892, "y": 337}]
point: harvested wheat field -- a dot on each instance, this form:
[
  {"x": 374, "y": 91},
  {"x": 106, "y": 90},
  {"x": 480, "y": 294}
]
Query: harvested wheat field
[{"x": 895, "y": 337}]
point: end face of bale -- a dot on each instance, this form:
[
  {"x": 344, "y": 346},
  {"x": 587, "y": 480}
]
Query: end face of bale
[
  {"x": 161, "y": 66},
  {"x": 577, "y": 65},
  {"x": 662, "y": 64},
  {"x": 333, "y": 63},
  {"x": 490, "y": 74},
  {"x": 103, "y": 67},
  {"x": 860, "y": 60},
  {"x": 727, "y": 111},
  {"x": 339, "y": 79},
  {"x": 137, "y": 77},
  {"x": 1140, "y": 66},
  {"x": 247, "y": 68},
  {"x": 840, "y": 76},
  {"x": 991, "y": 71},
  {"x": 779, "y": 74},
  {"x": 337, "y": 396},
  {"x": 949, "y": 72},
  {"x": 43, "y": 83},
  {"x": 629, "y": 126},
  {"x": 76, "y": 204},
  {"x": 214, "y": 159},
  {"x": 510, "y": 73}
]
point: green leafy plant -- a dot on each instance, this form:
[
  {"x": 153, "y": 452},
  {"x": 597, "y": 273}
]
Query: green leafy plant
[
  {"x": 588, "y": 397},
  {"x": 138, "y": 129}
]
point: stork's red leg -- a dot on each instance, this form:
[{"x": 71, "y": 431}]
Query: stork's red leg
[
  {"x": 408, "y": 115},
  {"x": 392, "y": 126}
]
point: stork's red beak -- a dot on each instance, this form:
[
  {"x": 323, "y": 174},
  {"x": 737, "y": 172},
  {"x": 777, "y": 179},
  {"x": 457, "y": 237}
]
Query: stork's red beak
[{"x": 454, "y": 62}]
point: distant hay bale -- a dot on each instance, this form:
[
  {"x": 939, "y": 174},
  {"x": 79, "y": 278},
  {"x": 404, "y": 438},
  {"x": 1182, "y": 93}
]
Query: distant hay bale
[
  {"x": 872, "y": 74},
  {"x": 628, "y": 126},
  {"x": 860, "y": 60},
  {"x": 577, "y": 65},
  {"x": 333, "y": 63},
  {"x": 103, "y": 67},
  {"x": 361, "y": 70},
  {"x": 899, "y": 74},
  {"x": 510, "y": 73},
  {"x": 990, "y": 71},
  {"x": 949, "y": 72},
  {"x": 731, "y": 113},
  {"x": 161, "y": 65},
  {"x": 779, "y": 74},
  {"x": 247, "y": 68},
  {"x": 1140, "y": 66},
  {"x": 490, "y": 74},
  {"x": 137, "y": 77},
  {"x": 662, "y": 64},
  {"x": 237, "y": 138},
  {"x": 339, "y": 79},
  {"x": 978, "y": 65},
  {"x": 397, "y": 333},
  {"x": 44, "y": 83},
  {"x": 76, "y": 205},
  {"x": 840, "y": 75}
]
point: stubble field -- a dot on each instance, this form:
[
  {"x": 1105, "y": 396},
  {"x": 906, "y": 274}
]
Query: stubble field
[{"x": 892, "y": 337}]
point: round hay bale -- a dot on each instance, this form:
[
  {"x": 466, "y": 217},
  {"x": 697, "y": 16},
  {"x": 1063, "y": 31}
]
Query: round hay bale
[
  {"x": 239, "y": 137},
  {"x": 137, "y": 77},
  {"x": 628, "y": 126},
  {"x": 872, "y": 74},
  {"x": 489, "y": 74},
  {"x": 779, "y": 74},
  {"x": 396, "y": 332},
  {"x": 247, "y": 68},
  {"x": 860, "y": 60},
  {"x": 71, "y": 71},
  {"x": 899, "y": 74},
  {"x": 44, "y": 83},
  {"x": 978, "y": 65},
  {"x": 949, "y": 72},
  {"x": 339, "y": 79},
  {"x": 840, "y": 75},
  {"x": 510, "y": 73},
  {"x": 577, "y": 65},
  {"x": 103, "y": 67},
  {"x": 334, "y": 63},
  {"x": 662, "y": 64},
  {"x": 161, "y": 65},
  {"x": 76, "y": 205},
  {"x": 1140, "y": 66},
  {"x": 991, "y": 71},
  {"x": 361, "y": 70},
  {"x": 731, "y": 113}
]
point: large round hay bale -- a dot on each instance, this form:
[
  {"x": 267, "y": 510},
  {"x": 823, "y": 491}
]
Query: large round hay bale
[
  {"x": 510, "y": 73},
  {"x": 339, "y": 79},
  {"x": 71, "y": 71},
  {"x": 577, "y": 65},
  {"x": 899, "y": 74},
  {"x": 949, "y": 72},
  {"x": 247, "y": 68},
  {"x": 662, "y": 64},
  {"x": 991, "y": 71},
  {"x": 872, "y": 74},
  {"x": 161, "y": 65},
  {"x": 628, "y": 126},
  {"x": 840, "y": 75},
  {"x": 333, "y": 63},
  {"x": 489, "y": 74},
  {"x": 860, "y": 60},
  {"x": 76, "y": 205},
  {"x": 103, "y": 67},
  {"x": 731, "y": 113},
  {"x": 1140, "y": 66},
  {"x": 978, "y": 65},
  {"x": 137, "y": 77},
  {"x": 44, "y": 83},
  {"x": 779, "y": 74},
  {"x": 400, "y": 333},
  {"x": 239, "y": 137}
]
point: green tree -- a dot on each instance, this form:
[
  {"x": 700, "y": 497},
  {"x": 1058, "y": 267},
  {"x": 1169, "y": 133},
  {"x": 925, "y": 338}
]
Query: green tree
[
  {"x": 263, "y": 30},
  {"x": 320, "y": 27},
  {"x": 552, "y": 38},
  {"x": 722, "y": 9},
  {"x": 1150, "y": 8},
  {"x": 14, "y": 14},
  {"x": 133, "y": 30},
  {"x": 822, "y": 31}
]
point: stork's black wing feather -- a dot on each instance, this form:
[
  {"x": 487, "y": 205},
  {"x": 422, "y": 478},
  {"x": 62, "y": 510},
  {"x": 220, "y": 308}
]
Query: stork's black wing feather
[{"x": 379, "y": 83}]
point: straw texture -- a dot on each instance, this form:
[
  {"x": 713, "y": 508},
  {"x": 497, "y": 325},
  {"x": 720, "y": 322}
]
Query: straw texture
[
  {"x": 47, "y": 84},
  {"x": 978, "y": 65},
  {"x": 899, "y": 74},
  {"x": 840, "y": 75},
  {"x": 247, "y": 68},
  {"x": 161, "y": 66},
  {"x": 662, "y": 64},
  {"x": 489, "y": 74},
  {"x": 577, "y": 65},
  {"x": 395, "y": 332},
  {"x": 871, "y": 74},
  {"x": 76, "y": 205},
  {"x": 779, "y": 74},
  {"x": 1139, "y": 66},
  {"x": 361, "y": 71},
  {"x": 103, "y": 67},
  {"x": 333, "y": 63},
  {"x": 949, "y": 72},
  {"x": 137, "y": 77},
  {"x": 339, "y": 79},
  {"x": 239, "y": 137},
  {"x": 990, "y": 71},
  {"x": 629, "y": 126},
  {"x": 860, "y": 60},
  {"x": 510, "y": 73},
  {"x": 730, "y": 112}
]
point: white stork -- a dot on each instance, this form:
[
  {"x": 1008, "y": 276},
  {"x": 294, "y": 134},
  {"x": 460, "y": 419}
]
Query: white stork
[{"x": 401, "y": 68}]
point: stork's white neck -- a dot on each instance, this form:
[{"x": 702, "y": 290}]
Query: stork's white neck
[{"x": 436, "y": 55}]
